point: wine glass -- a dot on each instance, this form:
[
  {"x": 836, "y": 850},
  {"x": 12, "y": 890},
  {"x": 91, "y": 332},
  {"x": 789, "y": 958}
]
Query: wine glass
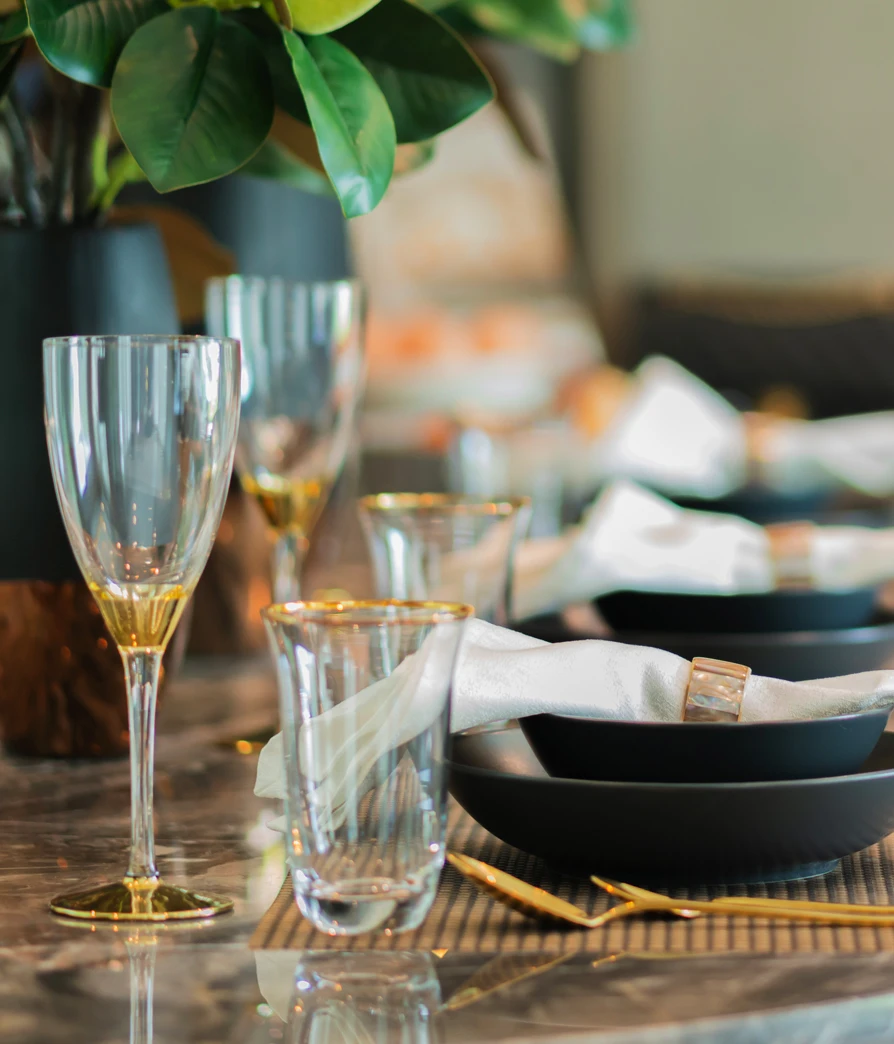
[
  {"x": 303, "y": 370},
  {"x": 141, "y": 433}
]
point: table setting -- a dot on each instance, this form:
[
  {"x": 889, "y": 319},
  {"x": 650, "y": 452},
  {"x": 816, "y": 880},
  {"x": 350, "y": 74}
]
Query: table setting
[{"x": 485, "y": 756}]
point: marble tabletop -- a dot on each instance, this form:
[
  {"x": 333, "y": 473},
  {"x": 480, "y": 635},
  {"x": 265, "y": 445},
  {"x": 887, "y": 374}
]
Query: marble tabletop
[{"x": 61, "y": 981}]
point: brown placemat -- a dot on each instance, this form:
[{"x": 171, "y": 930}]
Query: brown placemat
[{"x": 463, "y": 920}]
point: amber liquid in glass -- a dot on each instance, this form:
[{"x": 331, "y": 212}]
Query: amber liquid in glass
[
  {"x": 288, "y": 503},
  {"x": 141, "y": 616}
]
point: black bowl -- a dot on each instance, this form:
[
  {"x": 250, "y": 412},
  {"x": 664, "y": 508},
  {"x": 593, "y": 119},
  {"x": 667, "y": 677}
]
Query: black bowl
[
  {"x": 794, "y": 656},
  {"x": 738, "y": 614},
  {"x": 692, "y": 833},
  {"x": 764, "y": 505},
  {"x": 702, "y": 752}
]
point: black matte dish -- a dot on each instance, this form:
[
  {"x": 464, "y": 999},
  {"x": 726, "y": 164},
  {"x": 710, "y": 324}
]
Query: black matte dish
[
  {"x": 763, "y": 505},
  {"x": 794, "y": 656},
  {"x": 731, "y": 833},
  {"x": 702, "y": 752},
  {"x": 738, "y": 614}
]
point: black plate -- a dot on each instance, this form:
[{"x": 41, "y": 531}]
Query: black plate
[
  {"x": 702, "y": 752},
  {"x": 794, "y": 656},
  {"x": 738, "y": 614},
  {"x": 763, "y": 505},
  {"x": 732, "y": 833}
]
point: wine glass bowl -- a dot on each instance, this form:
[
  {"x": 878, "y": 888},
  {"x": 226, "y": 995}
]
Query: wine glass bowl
[
  {"x": 141, "y": 433},
  {"x": 302, "y": 347}
]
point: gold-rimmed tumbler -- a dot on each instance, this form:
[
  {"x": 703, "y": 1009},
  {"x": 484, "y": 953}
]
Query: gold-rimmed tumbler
[
  {"x": 141, "y": 434},
  {"x": 365, "y": 706},
  {"x": 447, "y": 547}
]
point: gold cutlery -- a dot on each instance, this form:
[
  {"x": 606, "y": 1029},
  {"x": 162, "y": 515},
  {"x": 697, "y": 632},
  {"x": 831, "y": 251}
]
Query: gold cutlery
[
  {"x": 631, "y": 892},
  {"x": 535, "y": 902}
]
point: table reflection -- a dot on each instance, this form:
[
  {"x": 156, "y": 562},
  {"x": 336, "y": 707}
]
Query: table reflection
[{"x": 329, "y": 997}]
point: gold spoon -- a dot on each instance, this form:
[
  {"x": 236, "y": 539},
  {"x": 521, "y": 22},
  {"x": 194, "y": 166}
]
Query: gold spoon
[
  {"x": 631, "y": 892},
  {"x": 535, "y": 902}
]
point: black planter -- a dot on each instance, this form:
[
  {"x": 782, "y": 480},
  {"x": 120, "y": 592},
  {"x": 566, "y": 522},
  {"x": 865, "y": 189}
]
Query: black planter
[
  {"x": 62, "y": 687},
  {"x": 52, "y": 283}
]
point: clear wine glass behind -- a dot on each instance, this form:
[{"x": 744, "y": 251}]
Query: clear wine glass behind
[
  {"x": 141, "y": 433},
  {"x": 303, "y": 374}
]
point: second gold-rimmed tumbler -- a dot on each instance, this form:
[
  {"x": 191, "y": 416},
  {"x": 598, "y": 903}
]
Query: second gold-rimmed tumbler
[{"x": 141, "y": 433}]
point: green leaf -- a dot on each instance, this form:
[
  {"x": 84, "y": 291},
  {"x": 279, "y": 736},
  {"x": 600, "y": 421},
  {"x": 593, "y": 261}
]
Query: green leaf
[
  {"x": 350, "y": 117},
  {"x": 608, "y": 24},
  {"x": 14, "y": 26},
  {"x": 428, "y": 76},
  {"x": 83, "y": 38},
  {"x": 542, "y": 24},
  {"x": 323, "y": 16},
  {"x": 192, "y": 97},
  {"x": 9, "y": 62},
  {"x": 286, "y": 91},
  {"x": 274, "y": 161}
]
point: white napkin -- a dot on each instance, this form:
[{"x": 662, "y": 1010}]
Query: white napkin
[
  {"x": 857, "y": 452},
  {"x": 635, "y": 540},
  {"x": 503, "y": 675},
  {"x": 676, "y": 434}
]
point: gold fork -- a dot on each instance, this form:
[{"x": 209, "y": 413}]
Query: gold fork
[
  {"x": 535, "y": 902},
  {"x": 631, "y": 892}
]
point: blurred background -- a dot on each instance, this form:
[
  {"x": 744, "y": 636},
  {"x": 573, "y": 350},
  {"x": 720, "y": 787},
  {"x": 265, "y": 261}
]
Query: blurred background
[{"x": 718, "y": 192}]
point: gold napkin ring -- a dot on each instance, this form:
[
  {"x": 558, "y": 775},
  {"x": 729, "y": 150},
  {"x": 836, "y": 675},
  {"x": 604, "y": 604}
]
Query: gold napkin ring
[
  {"x": 790, "y": 545},
  {"x": 715, "y": 690}
]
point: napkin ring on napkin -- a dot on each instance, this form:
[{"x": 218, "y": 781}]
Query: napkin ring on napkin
[
  {"x": 790, "y": 545},
  {"x": 715, "y": 690},
  {"x": 760, "y": 432}
]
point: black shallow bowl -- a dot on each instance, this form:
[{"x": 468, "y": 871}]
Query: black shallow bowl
[
  {"x": 702, "y": 752},
  {"x": 795, "y": 656},
  {"x": 763, "y": 505},
  {"x": 738, "y": 614},
  {"x": 694, "y": 833}
]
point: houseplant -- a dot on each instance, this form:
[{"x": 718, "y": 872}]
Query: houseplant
[{"x": 330, "y": 95}]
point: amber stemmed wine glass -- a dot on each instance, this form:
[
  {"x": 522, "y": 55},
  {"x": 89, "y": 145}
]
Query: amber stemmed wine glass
[
  {"x": 303, "y": 369},
  {"x": 141, "y": 433}
]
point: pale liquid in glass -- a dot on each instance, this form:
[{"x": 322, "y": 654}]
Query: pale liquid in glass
[{"x": 141, "y": 616}]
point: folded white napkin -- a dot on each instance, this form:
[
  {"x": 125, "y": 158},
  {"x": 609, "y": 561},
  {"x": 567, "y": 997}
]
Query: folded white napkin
[
  {"x": 503, "y": 675},
  {"x": 635, "y": 540},
  {"x": 676, "y": 434},
  {"x": 857, "y": 452}
]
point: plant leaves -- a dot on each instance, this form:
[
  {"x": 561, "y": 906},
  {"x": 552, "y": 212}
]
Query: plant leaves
[
  {"x": 193, "y": 255},
  {"x": 429, "y": 77},
  {"x": 83, "y": 38},
  {"x": 192, "y": 97},
  {"x": 286, "y": 92},
  {"x": 14, "y": 26},
  {"x": 274, "y": 160},
  {"x": 9, "y": 62},
  {"x": 543, "y": 24},
  {"x": 350, "y": 117},
  {"x": 608, "y": 24},
  {"x": 323, "y": 16}
]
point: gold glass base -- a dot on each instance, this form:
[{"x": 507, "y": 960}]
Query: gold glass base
[{"x": 139, "y": 900}]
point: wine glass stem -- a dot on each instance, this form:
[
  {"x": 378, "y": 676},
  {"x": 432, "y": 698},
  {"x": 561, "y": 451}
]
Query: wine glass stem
[
  {"x": 288, "y": 557},
  {"x": 142, "y": 668}
]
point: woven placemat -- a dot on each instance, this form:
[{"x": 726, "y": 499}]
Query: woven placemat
[{"x": 463, "y": 920}]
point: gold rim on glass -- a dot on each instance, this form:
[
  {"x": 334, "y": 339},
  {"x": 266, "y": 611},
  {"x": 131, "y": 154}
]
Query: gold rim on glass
[
  {"x": 434, "y": 503},
  {"x": 340, "y": 612}
]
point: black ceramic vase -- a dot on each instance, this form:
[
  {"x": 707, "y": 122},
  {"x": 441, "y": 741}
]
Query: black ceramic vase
[{"x": 61, "y": 679}]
